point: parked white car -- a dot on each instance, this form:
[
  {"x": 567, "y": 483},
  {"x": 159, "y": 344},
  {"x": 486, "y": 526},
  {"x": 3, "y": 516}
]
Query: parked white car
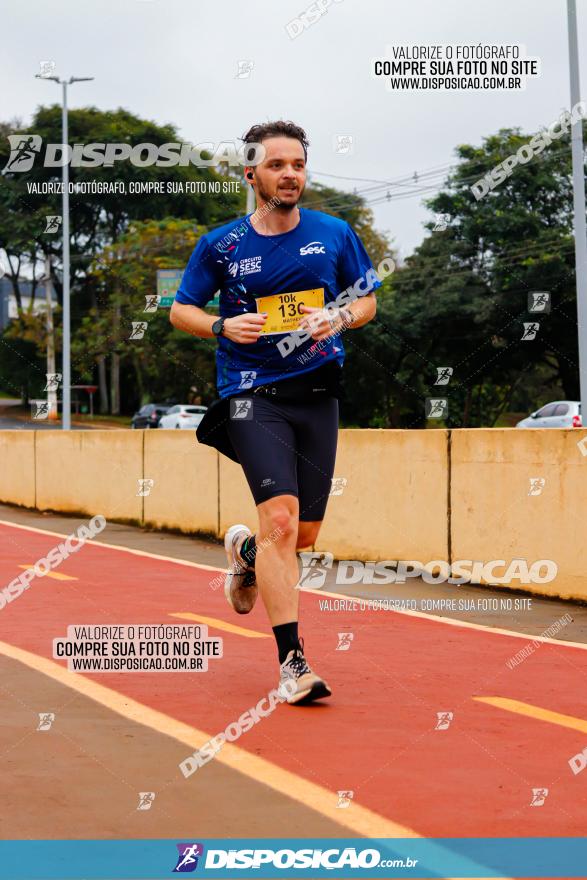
[
  {"x": 183, "y": 416},
  {"x": 559, "y": 414}
]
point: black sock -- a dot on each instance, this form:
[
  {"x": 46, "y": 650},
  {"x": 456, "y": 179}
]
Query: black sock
[
  {"x": 248, "y": 551},
  {"x": 286, "y": 636}
]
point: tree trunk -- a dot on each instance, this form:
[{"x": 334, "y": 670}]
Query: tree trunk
[
  {"x": 16, "y": 290},
  {"x": 115, "y": 384},
  {"x": 115, "y": 365},
  {"x": 101, "y": 363},
  {"x": 102, "y": 385},
  {"x": 139, "y": 378},
  {"x": 467, "y": 410}
]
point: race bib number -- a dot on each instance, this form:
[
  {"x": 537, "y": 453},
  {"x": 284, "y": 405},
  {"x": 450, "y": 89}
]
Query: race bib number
[{"x": 284, "y": 311}]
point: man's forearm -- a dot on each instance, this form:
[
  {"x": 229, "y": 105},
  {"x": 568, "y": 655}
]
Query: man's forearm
[
  {"x": 192, "y": 319},
  {"x": 362, "y": 311}
]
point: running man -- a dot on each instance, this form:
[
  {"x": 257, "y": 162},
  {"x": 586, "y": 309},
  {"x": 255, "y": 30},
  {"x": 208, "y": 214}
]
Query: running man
[{"x": 282, "y": 273}]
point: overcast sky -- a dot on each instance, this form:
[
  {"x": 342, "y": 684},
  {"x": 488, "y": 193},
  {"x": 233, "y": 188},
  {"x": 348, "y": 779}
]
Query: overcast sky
[{"x": 176, "y": 61}]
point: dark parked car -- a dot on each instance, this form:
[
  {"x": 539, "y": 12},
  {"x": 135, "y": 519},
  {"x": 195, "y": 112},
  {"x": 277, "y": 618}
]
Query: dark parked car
[{"x": 148, "y": 416}]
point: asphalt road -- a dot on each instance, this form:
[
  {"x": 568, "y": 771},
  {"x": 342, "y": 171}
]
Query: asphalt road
[
  {"x": 8, "y": 424},
  {"x": 511, "y": 712}
]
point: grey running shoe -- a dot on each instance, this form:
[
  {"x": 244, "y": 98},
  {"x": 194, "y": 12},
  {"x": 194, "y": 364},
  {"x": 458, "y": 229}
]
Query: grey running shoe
[
  {"x": 240, "y": 585},
  {"x": 297, "y": 682}
]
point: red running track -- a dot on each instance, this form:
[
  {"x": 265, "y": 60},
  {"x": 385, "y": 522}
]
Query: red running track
[{"x": 376, "y": 735}]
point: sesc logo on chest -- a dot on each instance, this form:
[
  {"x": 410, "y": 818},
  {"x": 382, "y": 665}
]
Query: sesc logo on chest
[{"x": 314, "y": 247}]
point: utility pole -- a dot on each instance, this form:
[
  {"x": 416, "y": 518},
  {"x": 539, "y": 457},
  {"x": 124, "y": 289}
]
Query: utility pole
[
  {"x": 66, "y": 369},
  {"x": 578, "y": 204}
]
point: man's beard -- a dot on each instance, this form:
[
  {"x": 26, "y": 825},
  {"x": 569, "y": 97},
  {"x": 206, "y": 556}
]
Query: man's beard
[{"x": 284, "y": 207}]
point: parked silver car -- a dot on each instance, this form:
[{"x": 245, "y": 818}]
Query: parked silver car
[
  {"x": 558, "y": 414},
  {"x": 183, "y": 416}
]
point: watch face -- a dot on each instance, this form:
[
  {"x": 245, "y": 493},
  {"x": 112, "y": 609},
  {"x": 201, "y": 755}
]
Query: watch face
[{"x": 217, "y": 326}]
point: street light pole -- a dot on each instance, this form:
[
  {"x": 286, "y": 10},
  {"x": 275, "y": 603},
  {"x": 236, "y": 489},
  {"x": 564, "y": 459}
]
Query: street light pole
[
  {"x": 66, "y": 368},
  {"x": 578, "y": 204}
]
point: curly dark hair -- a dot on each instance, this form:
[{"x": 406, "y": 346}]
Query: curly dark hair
[{"x": 281, "y": 128}]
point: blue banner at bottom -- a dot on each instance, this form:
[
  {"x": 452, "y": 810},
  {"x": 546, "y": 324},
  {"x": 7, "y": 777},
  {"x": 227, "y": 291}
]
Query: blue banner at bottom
[{"x": 286, "y": 858}]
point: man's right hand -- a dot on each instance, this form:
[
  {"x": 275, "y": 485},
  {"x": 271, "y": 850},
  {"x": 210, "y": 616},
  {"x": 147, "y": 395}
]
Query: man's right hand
[{"x": 245, "y": 328}]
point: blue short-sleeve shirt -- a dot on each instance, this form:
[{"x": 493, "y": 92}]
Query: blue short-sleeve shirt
[{"x": 321, "y": 252}]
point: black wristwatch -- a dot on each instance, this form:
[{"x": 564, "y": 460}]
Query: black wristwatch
[{"x": 218, "y": 327}]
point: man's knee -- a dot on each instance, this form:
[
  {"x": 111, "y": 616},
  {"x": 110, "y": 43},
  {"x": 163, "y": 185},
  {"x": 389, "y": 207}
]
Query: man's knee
[
  {"x": 307, "y": 534},
  {"x": 279, "y": 518}
]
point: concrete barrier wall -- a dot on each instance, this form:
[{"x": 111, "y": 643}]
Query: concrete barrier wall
[
  {"x": 90, "y": 472},
  {"x": 393, "y": 501},
  {"x": 399, "y": 495},
  {"x": 184, "y": 494},
  {"x": 500, "y": 509},
  {"x": 17, "y": 467}
]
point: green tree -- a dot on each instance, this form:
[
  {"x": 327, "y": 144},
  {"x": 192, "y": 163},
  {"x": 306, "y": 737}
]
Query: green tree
[
  {"x": 96, "y": 220},
  {"x": 164, "y": 363},
  {"x": 461, "y": 300}
]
